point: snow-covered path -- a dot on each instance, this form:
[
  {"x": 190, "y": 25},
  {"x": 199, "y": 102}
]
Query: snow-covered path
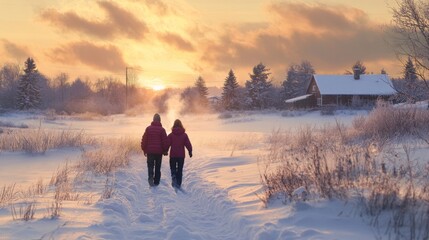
[
  {"x": 219, "y": 199},
  {"x": 137, "y": 211}
]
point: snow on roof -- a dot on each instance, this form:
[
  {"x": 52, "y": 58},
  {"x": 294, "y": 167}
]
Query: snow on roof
[
  {"x": 295, "y": 99},
  {"x": 372, "y": 84}
]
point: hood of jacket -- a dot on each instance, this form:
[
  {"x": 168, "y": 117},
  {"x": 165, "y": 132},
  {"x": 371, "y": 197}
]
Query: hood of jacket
[
  {"x": 178, "y": 131},
  {"x": 155, "y": 123}
]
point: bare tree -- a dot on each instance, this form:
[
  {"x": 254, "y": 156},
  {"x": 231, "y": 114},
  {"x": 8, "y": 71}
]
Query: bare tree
[
  {"x": 9, "y": 78},
  {"x": 411, "y": 34}
]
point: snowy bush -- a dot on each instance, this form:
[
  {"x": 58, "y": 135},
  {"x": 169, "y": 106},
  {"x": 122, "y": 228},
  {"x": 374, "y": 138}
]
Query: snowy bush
[
  {"x": 360, "y": 162},
  {"x": 225, "y": 115},
  {"x": 12, "y": 125},
  {"x": 387, "y": 122},
  {"x": 328, "y": 110},
  {"x": 40, "y": 140},
  {"x": 109, "y": 157}
]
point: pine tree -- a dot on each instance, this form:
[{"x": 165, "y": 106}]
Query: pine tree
[
  {"x": 297, "y": 79},
  {"x": 230, "y": 92},
  {"x": 412, "y": 88},
  {"x": 203, "y": 91},
  {"x": 28, "y": 89},
  {"x": 410, "y": 73},
  {"x": 258, "y": 87}
]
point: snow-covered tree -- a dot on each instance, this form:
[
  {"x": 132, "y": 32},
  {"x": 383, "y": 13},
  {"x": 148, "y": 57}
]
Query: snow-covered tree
[
  {"x": 28, "y": 89},
  {"x": 61, "y": 85},
  {"x": 203, "y": 91},
  {"x": 80, "y": 90},
  {"x": 258, "y": 87},
  {"x": 230, "y": 92},
  {"x": 297, "y": 79},
  {"x": 410, "y": 40},
  {"x": 195, "y": 98},
  {"x": 410, "y": 73},
  {"x": 9, "y": 80},
  {"x": 200, "y": 85},
  {"x": 410, "y": 88}
]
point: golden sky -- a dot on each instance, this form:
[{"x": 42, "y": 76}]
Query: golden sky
[{"x": 175, "y": 41}]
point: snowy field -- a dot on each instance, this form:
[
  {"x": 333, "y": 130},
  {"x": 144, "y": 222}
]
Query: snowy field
[{"x": 220, "y": 187}]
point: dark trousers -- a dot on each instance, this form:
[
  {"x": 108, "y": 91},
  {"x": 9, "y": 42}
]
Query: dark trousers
[
  {"x": 176, "y": 167},
  {"x": 154, "y": 163}
]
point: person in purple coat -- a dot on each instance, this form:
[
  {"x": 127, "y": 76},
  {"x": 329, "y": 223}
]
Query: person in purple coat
[
  {"x": 178, "y": 140},
  {"x": 154, "y": 143}
]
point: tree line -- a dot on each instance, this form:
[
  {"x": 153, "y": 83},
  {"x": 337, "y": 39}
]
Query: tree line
[{"x": 29, "y": 89}]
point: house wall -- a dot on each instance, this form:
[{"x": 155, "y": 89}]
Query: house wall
[
  {"x": 341, "y": 100},
  {"x": 313, "y": 89},
  {"x": 353, "y": 101}
]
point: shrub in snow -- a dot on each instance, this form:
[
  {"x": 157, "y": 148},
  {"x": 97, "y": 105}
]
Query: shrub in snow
[
  {"x": 300, "y": 194},
  {"x": 346, "y": 163},
  {"x": 225, "y": 115},
  {"x": 40, "y": 140},
  {"x": 328, "y": 110},
  {"x": 387, "y": 122}
]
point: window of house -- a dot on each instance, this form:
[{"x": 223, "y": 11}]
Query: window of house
[{"x": 314, "y": 88}]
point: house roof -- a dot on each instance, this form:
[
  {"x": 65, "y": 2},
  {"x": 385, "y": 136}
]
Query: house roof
[
  {"x": 368, "y": 84},
  {"x": 295, "y": 99}
]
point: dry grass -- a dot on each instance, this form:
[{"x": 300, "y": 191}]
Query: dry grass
[
  {"x": 107, "y": 159},
  {"x": 25, "y": 211},
  {"x": 387, "y": 122},
  {"x": 7, "y": 194},
  {"x": 40, "y": 140},
  {"x": 104, "y": 158},
  {"x": 371, "y": 161}
]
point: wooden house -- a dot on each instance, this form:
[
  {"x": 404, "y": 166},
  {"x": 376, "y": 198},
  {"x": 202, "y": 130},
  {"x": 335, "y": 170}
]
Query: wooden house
[{"x": 345, "y": 90}]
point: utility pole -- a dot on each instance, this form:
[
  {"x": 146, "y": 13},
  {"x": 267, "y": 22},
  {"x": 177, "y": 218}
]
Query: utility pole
[{"x": 126, "y": 88}]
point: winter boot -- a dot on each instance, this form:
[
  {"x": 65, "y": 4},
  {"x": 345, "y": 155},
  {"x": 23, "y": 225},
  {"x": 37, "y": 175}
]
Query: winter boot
[
  {"x": 173, "y": 181},
  {"x": 151, "y": 183}
]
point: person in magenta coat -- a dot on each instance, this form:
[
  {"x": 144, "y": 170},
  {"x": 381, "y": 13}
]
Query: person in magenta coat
[
  {"x": 154, "y": 143},
  {"x": 178, "y": 140}
]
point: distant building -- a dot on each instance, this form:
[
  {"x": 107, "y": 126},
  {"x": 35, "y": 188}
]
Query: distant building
[
  {"x": 214, "y": 100},
  {"x": 345, "y": 90}
]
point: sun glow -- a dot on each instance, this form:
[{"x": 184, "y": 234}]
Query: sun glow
[{"x": 158, "y": 87}]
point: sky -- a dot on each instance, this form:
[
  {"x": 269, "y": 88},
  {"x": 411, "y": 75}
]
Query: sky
[{"x": 172, "y": 42}]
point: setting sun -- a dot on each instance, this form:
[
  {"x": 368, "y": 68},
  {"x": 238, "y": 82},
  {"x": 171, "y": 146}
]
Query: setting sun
[{"x": 158, "y": 87}]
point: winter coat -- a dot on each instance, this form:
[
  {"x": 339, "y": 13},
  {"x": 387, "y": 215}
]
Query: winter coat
[
  {"x": 178, "y": 140},
  {"x": 154, "y": 140}
]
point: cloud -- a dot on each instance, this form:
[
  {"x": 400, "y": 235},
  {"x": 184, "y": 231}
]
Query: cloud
[
  {"x": 118, "y": 22},
  {"x": 107, "y": 58},
  {"x": 177, "y": 41},
  {"x": 320, "y": 17},
  {"x": 159, "y": 6},
  {"x": 332, "y": 38},
  {"x": 15, "y": 51},
  {"x": 125, "y": 21}
]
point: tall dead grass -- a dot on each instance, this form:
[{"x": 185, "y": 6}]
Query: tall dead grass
[
  {"x": 7, "y": 194},
  {"x": 371, "y": 161},
  {"x": 40, "y": 140},
  {"x": 101, "y": 160},
  {"x": 112, "y": 155}
]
